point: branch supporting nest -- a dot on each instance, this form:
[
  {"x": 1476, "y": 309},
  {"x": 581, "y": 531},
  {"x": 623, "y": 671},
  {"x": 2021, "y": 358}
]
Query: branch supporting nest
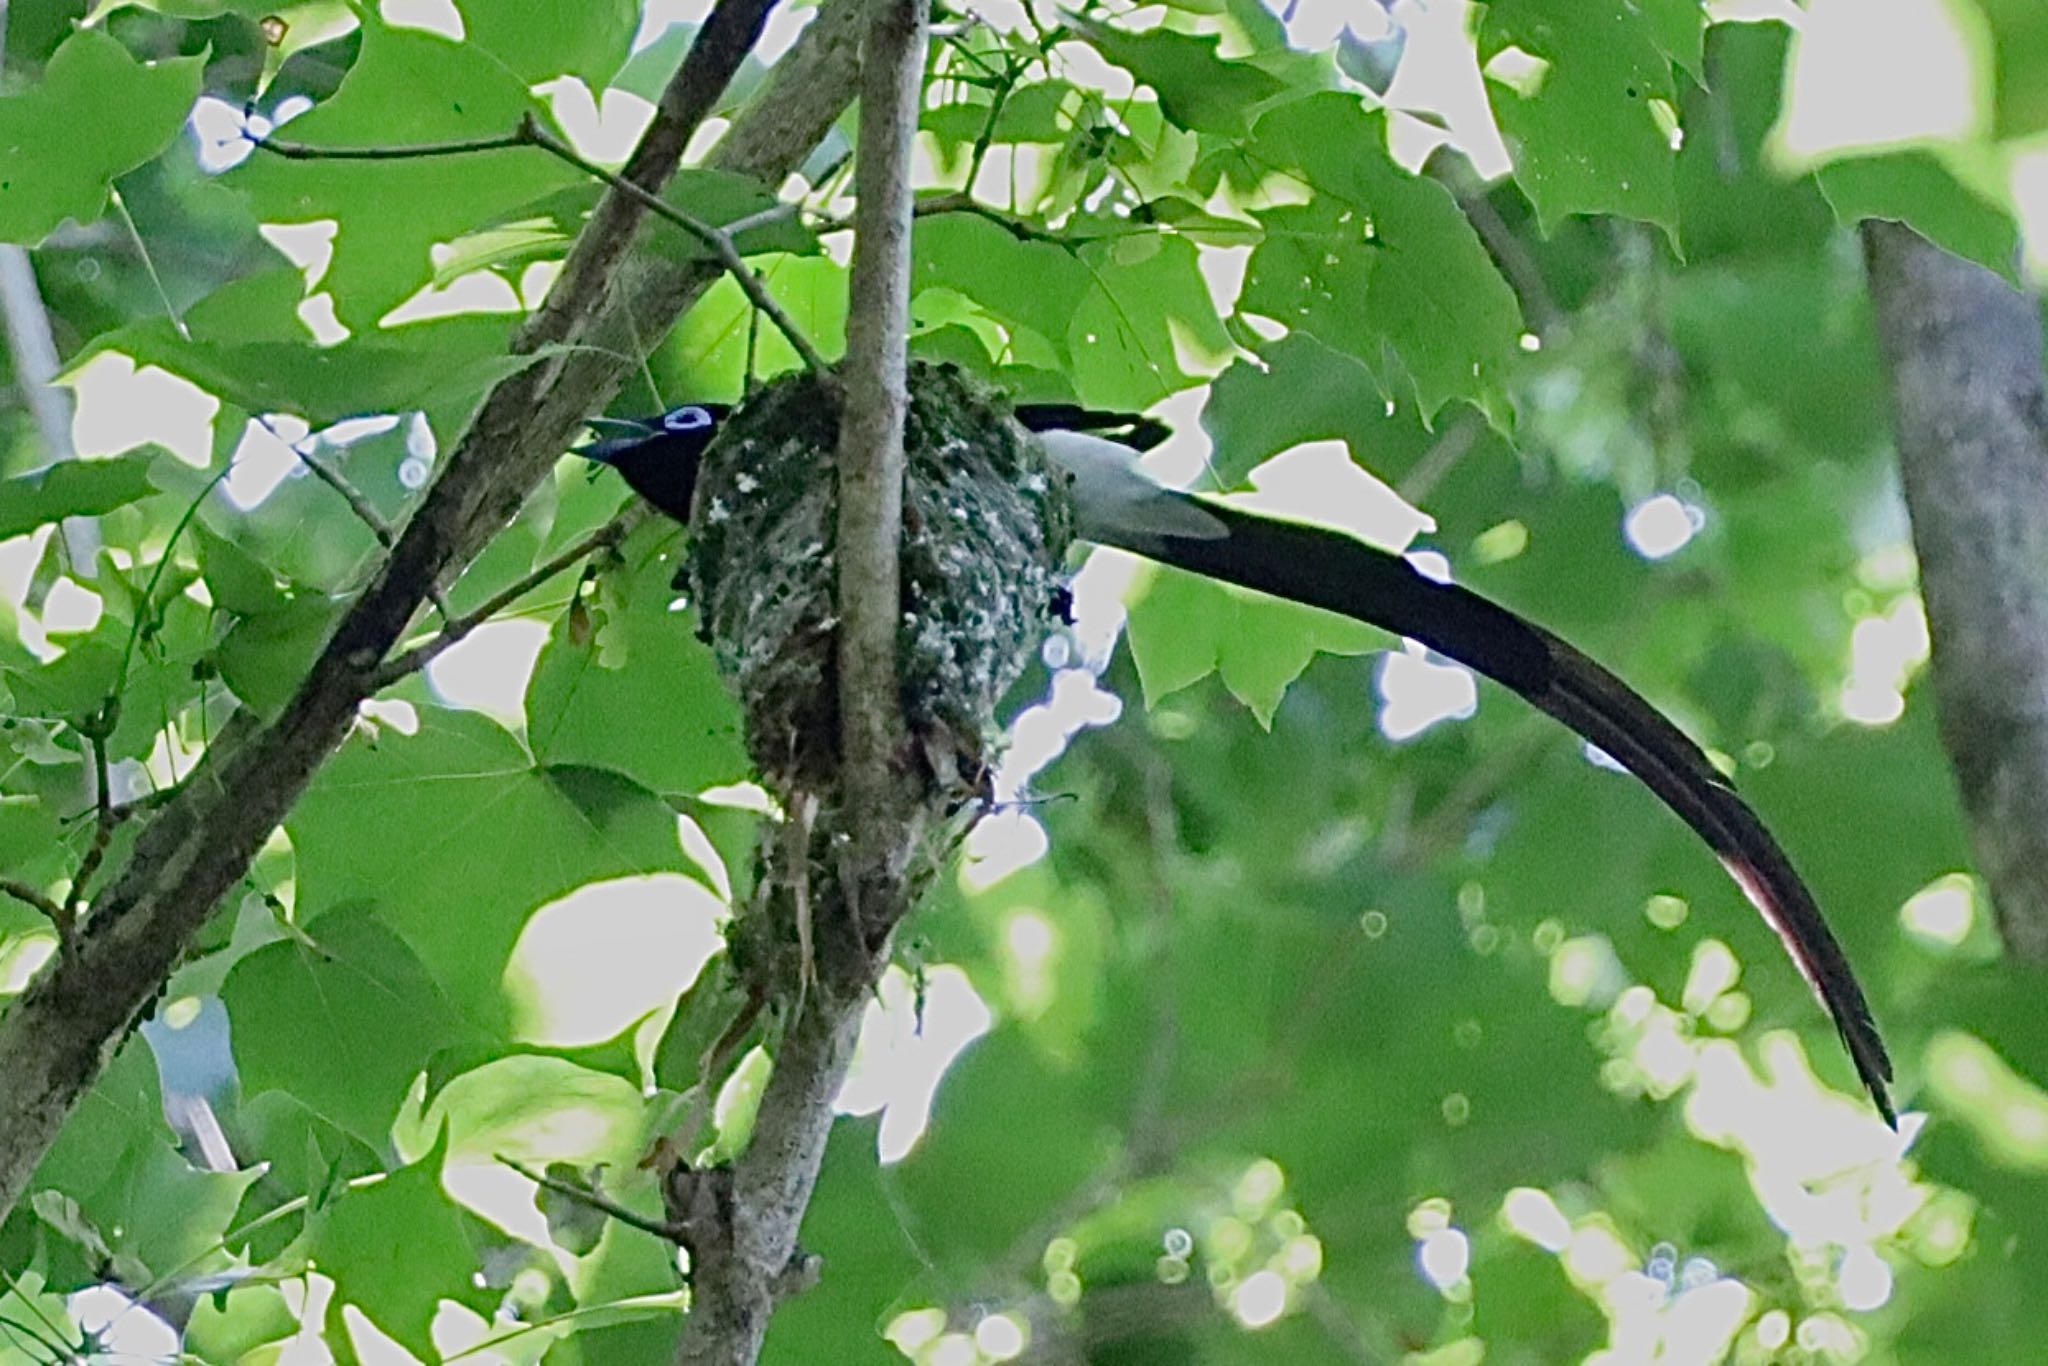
[{"x": 745, "y": 1245}]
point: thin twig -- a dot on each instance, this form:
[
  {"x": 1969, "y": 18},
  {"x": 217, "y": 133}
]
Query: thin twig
[
  {"x": 595, "y": 1199},
  {"x": 719, "y": 240},
  {"x": 32, "y": 349},
  {"x": 365, "y": 511},
  {"x": 529, "y": 133},
  {"x": 418, "y": 657},
  {"x": 28, "y": 895},
  {"x": 960, "y": 202},
  {"x": 299, "y": 151}
]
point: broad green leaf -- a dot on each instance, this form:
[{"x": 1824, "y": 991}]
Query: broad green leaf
[
  {"x": 540, "y": 40},
  {"x": 1380, "y": 262},
  {"x": 357, "y": 988},
  {"x": 422, "y": 800},
  {"x": 72, "y": 488},
  {"x": 396, "y": 1249},
  {"x": 117, "y": 1162},
  {"x": 1732, "y": 202},
  {"x": 265, "y": 658},
  {"x": 2019, "y": 38},
  {"x": 535, "y": 1110},
  {"x": 443, "y": 364},
  {"x": 709, "y": 347},
  {"x": 1586, "y": 140},
  {"x": 234, "y": 1325},
  {"x": 96, "y": 114},
  {"x": 1197, "y": 89},
  {"x": 1002, "y": 1108},
  {"x": 1035, "y": 284},
  {"x": 236, "y": 580},
  {"x": 639, "y": 694},
  {"x": 1678, "y": 28},
  {"x": 1148, "y": 312},
  {"x": 406, "y": 87},
  {"x": 1185, "y": 628},
  {"x": 856, "y": 1224},
  {"x": 1915, "y": 189},
  {"x": 31, "y": 847},
  {"x": 1301, "y": 390}
]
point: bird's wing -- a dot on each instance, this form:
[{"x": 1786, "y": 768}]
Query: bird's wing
[{"x": 1336, "y": 572}]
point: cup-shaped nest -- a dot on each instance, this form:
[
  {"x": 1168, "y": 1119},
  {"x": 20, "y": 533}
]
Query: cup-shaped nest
[{"x": 986, "y": 521}]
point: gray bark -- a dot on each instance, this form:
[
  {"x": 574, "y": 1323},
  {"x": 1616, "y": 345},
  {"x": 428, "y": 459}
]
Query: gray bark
[
  {"x": 745, "y": 1256},
  {"x": 1964, "y": 350}
]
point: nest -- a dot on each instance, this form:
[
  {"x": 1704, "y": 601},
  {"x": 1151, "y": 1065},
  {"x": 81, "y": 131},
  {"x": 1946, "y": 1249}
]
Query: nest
[{"x": 986, "y": 520}]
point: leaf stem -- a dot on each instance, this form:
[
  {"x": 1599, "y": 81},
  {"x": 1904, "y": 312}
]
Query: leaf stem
[{"x": 417, "y": 658}]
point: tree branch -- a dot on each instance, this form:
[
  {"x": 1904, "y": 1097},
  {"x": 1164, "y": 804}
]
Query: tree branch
[
  {"x": 57, "y": 1036},
  {"x": 871, "y": 430},
  {"x": 458, "y": 628},
  {"x": 1968, "y": 398},
  {"x": 741, "y": 1257},
  {"x": 33, "y": 351}
]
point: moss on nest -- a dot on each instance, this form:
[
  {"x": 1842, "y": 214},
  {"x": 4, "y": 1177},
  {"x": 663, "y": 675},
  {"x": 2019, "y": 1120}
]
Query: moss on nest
[{"x": 986, "y": 520}]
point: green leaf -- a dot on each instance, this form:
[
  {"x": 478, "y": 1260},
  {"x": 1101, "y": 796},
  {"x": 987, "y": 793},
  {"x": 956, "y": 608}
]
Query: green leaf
[
  {"x": 1915, "y": 189},
  {"x": 236, "y": 580},
  {"x": 441, "y": 364},
  {"x": 710, "y": 345},
  {"x": 1197, "y": 89},
  {"x": 117, "y": 1162},
  {"x": 2019, "y": 34},
  {"x": 1380, "y": 262},
  {"x": 1678, "y": 28},
  {"x": 31, "y": 845},
  {"x": 96, "y": 113},
  {"x": 265, "y": 658},
  {"x": 72, "y": 488},
  {"x": 1586, "y": 140},
  {"x": 536, "y": 1109},
  {"x": 1185, "y": 628},
  {"x": 539, "y": 39},
  {"x": 640, "y": 696},
  {"x": 855, "y": 1223},
  {"x": 406, "y": 87},
  {"x": 1148, "y": 306},
  {"x": 1301, "y": 390},
  {"x": 358, "y": 989},
  {"x": 421, "y": 800},
  {"x": 1003, "y": 1107},
  {"x": 396, "y": 1249},
  {"x": 1034, "y": 284},
  {"x": 1732, "y": 202}
]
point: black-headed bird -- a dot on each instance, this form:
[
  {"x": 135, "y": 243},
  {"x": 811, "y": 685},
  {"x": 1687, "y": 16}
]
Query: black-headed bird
[{"x": 1118, "y": 504}]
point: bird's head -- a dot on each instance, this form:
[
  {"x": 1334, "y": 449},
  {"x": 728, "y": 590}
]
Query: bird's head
[
  {"x": 679, "y": 431},
  {"x": 658, "y": 456}
]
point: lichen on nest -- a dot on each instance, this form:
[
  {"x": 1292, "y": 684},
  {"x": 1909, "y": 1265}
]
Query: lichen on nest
[{"x": 986, "y": 521}]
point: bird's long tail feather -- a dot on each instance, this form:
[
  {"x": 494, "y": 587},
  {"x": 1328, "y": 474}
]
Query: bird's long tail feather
[{"x": 1333, "y": 571}]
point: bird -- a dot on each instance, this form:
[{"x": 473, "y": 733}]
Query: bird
[{"x": 1117, "y": 503}]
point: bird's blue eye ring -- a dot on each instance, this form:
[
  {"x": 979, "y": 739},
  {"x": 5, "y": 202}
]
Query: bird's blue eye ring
[{"x": 688, "y": 419}]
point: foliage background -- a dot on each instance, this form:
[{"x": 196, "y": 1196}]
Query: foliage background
[{"x": 1302, "y": 1043}]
